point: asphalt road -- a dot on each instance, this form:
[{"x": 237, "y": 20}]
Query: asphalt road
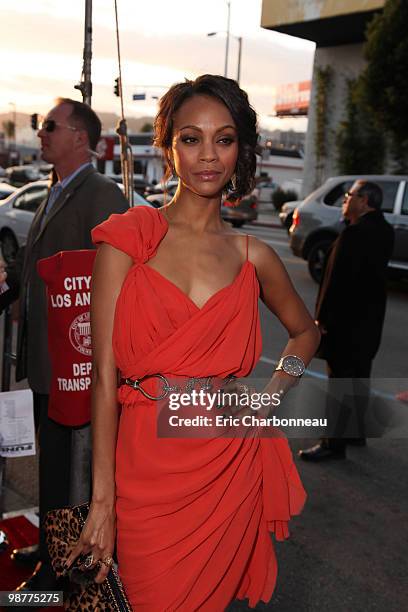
[
  {"x": 347, "y": 550},
  {"x": 389, "y": 362}
]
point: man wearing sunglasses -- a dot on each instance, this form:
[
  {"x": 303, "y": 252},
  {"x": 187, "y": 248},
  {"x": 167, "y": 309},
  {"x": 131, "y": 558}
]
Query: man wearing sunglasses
[
  {"x": 350, "y": 312},
  {"x": 80, "y": 199}
]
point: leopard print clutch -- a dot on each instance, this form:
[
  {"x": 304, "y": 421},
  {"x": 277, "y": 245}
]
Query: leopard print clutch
[{"x": 63, "y": 529}]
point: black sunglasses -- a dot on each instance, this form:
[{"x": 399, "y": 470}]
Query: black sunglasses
[{"x": 49, "y": 125}]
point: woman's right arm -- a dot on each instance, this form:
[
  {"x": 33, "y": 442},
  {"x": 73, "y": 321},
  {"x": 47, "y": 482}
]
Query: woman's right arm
[{"x": 98, "y": 535}]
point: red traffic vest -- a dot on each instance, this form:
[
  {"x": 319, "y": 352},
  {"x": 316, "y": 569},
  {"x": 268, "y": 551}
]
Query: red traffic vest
[{"x": 67, "y": 276}]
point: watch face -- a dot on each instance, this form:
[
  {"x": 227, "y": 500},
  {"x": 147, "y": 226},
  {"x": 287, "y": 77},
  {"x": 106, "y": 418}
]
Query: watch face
[{"x": 293, "y": 365}]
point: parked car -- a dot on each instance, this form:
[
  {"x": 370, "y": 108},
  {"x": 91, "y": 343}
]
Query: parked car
[
  {"x": 318, "y": 220},
  {"x": 242, "y": 211},
  {"x": 5, "y": 190},
  {"x": 169, "y": 186},
  {"x": 140, "y": 185},
  {"x": 138, "y": 200},
  {"x": 245, "y": 211},
  {"x": 159, "y": 198},
  {"x": 21, "y": 175},
  {"x": 265, "y": 190},
  {"x": 17, "y": 212},
  {"x": 45, "y": 170},
  {"x": 286, "y": 213}
]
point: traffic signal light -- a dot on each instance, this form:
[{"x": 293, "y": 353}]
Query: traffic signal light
[
  {"x": 118, "y": 87},
  {"x": 34, "y": 121}
]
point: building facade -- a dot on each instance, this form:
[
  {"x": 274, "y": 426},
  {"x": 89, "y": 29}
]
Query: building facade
[{"x": 338, "y": 29}]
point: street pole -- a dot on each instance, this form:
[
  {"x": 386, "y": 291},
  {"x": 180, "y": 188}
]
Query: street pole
[
  {"x": 239, "y": 39},
  {"x": 14, "y": 121},
  {"x": 81, "y": 452},
  {"x": 239, "y": 58},
  {"x": 227, "y": 39},
  {"x": 85, "y": 86},
  {"x": 15, "y": 126}
]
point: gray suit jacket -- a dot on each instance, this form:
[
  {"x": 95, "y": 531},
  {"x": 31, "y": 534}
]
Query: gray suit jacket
[{"x": 87, "y": 200}]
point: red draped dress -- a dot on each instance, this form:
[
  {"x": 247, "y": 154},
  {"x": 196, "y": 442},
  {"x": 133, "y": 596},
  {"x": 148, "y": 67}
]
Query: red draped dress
[{"x": 194, "y": 516}]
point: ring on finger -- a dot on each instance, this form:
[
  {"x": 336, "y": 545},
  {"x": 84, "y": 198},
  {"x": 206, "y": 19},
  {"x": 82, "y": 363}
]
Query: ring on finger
[
  {"x": 108, "y": 561},
  {"x": 89, "y": 561}
]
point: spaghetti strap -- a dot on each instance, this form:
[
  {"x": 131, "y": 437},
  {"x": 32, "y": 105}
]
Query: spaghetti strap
[{"x": 247, "y": 242}]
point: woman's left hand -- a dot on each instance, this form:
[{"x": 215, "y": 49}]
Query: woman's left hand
[{"x": 97, "y": 540}]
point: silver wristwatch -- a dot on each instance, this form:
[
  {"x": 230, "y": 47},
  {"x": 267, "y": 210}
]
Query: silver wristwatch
[{"x": 292, "y": 365}]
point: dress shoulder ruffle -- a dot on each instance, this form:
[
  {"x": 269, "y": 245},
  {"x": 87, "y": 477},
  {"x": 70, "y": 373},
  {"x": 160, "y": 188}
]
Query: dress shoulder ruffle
[{"x": 137, "y": 232}]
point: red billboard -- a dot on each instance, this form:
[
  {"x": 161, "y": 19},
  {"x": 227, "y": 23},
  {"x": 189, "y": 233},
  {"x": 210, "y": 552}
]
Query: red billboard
[{"x": 293, "y": 99}]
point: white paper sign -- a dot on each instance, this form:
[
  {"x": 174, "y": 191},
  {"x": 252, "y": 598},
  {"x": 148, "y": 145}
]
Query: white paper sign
[{"x": 17, "y": 437}]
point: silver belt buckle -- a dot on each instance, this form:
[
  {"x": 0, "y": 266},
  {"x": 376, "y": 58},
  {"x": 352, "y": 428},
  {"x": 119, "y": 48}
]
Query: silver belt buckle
[
  {"x": 167, "y": 388},
  {"x": 135, "y": 384}
]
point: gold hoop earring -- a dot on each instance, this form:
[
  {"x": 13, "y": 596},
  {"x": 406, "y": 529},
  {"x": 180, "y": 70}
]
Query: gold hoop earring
[{"x": 233, "y": 181}]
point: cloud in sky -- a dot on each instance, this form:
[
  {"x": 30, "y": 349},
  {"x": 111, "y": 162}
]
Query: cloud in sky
[{"x": 161, "y": 42}]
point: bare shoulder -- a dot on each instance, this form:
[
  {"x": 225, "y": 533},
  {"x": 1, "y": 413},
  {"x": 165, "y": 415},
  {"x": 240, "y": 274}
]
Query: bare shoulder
[{"x": 262, "y": 256}]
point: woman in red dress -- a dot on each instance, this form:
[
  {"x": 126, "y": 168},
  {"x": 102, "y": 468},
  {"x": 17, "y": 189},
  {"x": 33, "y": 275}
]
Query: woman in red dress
[{"x": 175, "y": 292}]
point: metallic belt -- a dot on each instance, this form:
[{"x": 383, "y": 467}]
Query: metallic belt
[{"x": 190, "y": 384}]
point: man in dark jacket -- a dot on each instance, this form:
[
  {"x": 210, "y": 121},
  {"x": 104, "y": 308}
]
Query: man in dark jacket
[
  {"x": 350, "y": 313},
  {"x": 79, "y": 200}
]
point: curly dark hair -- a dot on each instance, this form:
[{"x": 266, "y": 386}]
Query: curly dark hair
[{"x": 235, "y": 99}]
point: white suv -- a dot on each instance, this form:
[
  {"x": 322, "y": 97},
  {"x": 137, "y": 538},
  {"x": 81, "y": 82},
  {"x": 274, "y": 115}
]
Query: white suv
[{"x": 318, "y": 219}]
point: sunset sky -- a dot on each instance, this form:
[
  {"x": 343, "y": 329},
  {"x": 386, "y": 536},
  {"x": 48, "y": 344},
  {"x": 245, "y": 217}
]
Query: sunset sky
[{"x": 162, "y": 42}]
